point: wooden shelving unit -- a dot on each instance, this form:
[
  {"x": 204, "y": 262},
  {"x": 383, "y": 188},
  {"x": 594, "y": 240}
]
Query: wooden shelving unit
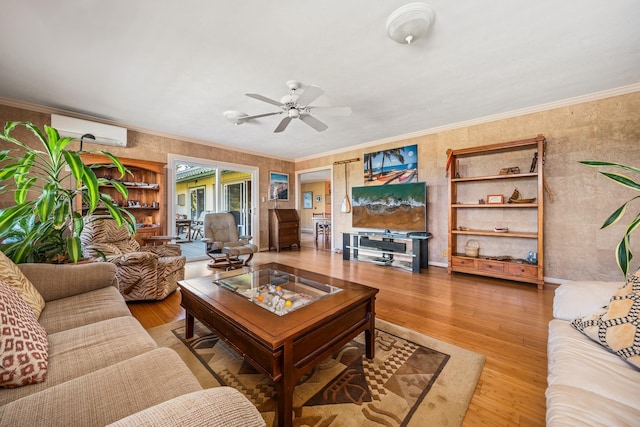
[
  {"x": 146, "y": 192},
  {"x": 500, "y": 265}
]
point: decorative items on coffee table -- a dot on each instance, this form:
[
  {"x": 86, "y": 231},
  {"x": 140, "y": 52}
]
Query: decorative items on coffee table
[{"x": 520, "y": 221}]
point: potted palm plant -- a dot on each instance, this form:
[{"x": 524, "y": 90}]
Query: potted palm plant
[
  {"x": 45, "y": 223},
  {"x": 623, "y": 250}
]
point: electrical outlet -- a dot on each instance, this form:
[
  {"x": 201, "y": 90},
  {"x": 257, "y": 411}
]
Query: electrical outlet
[{"x": 444, "y": 253}]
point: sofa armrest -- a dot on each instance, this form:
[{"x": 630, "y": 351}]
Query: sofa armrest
[
  {"x": 218, "y": 406},
  {"x": 582, "y": 298},
  {"x": 55, "y": 281}
]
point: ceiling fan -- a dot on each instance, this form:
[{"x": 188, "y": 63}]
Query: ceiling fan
[{"x": 296, "y": 105}]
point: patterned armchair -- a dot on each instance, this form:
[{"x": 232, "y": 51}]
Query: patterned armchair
[{"x": 143, "y": 272}]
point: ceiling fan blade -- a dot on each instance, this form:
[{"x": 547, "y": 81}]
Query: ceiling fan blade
[
  {"x": 257, "y": 116},
  {"x": 283, "y": 124},
  {"x": 314, "y": 123},
  {"x": 334, "y": 111},
  {"x": 310, "y": 94},
  {"x": 263, "y": 99}
]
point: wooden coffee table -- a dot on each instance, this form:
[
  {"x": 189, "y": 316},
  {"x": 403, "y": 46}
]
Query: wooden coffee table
[{"x": 282, "y": 347}]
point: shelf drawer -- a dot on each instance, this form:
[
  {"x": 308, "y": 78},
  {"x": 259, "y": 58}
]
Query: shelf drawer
[
  {"x": 488, "y": 265},
  {"x": 522, "y": 270},
  {"x": 464, "y": 262}
]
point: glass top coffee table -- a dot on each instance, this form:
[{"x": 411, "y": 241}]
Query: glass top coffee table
[
  {"x": 282, "y": 320},
  {"x": 276, "y": 290}
]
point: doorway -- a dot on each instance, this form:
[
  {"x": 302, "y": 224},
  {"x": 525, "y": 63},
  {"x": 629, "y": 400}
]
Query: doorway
[
  {"x": 237, "y": 200},
  {"x": 199, "y": 185},
  {"x": 314, "y": 201}
]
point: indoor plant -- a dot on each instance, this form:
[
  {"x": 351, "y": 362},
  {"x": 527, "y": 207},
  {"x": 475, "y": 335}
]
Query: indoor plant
[
  {"x": 623, "y": 250},
  {"x": 44, "y": 224}
]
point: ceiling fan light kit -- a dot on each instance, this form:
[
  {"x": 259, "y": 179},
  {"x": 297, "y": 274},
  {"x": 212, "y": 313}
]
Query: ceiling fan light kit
[
  {"x": 294, "y": 106},
  {"x": 410, "y": 22},
  {"x": 235, "y": 117}
]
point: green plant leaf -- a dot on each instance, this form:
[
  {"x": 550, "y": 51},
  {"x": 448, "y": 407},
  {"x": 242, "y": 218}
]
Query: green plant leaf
[
  {"x": 75, "y": 165},
  {"x": 10, "y": 215},
  {"x": 78, "y": 224},
  {"x": 118, "y": 164},
  {"x": 4, "y": 154},
  {"x": 8, "y": 171},
  {"x": 120, "y": 187},
  {"x": 61, "y": 214},
  {"x": 74, "y": 247},
  {"x": 93, "y": 190},
  {"x": 20, "y": 195},
  {"x": 622, "y": 180},
  {"x": 596, "y": 164},
  {"x": 46, "y": 201},
  {"x": 615, "y": 216},
  {"x": 623, "y": 255}
]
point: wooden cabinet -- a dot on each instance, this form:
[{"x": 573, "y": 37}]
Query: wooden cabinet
[
  {"x": 284, "y": 228},
  {"x": 510, "y": 233},
  {"x": 146, "y": 187}
]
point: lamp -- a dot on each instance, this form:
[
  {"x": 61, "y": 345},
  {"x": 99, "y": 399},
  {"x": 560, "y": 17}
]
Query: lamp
[{"x": 410, "y": 22}]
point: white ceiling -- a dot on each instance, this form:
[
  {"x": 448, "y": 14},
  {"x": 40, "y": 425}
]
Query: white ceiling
[{"x": 174, "y": 67}]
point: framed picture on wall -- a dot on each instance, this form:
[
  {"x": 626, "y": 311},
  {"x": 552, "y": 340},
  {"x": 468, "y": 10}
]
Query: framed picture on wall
[
  {"x": 306, "y": 200},
  {"x": 318, "y": 199},
  {"x": 278, "y": 186},
  {"x": 394, "y": 166}
]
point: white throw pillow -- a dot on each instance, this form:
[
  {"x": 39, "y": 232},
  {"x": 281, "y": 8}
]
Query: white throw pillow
[{"x": 582, "y": 298}]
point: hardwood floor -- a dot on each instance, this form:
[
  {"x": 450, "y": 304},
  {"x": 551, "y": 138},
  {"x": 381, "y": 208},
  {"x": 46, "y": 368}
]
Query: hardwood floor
[{"x": 504, "y": 321}]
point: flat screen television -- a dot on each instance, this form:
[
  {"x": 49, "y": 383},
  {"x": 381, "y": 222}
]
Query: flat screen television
[{"x": 400, "y": 207}]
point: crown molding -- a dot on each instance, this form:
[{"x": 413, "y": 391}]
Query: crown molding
[
  {"x": 609, "y": 93},
  {"x": 49, "y": 110},
  {"x": 623, "y": 90}
]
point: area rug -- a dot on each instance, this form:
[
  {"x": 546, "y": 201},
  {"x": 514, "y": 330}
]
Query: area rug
[{"x": 414, "y": 380}]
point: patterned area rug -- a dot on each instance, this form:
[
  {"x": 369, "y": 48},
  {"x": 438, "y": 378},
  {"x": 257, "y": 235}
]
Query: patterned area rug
[{"x": 413, "y": 380}]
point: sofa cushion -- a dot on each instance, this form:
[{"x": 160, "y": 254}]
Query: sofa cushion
[
  {"x": 574, "y": 407},
  {"x": 218, "y": 406},
  {"x": 579, "y": 362},
  {"x": 106, "y": 395},
  {"x": 617, "y": 326},
  {"x": 23, "y": 341},
  {"x": 83, "y": 309},
  {"x": 12, "y": 275},
  {"x": 79, "y": 351}
]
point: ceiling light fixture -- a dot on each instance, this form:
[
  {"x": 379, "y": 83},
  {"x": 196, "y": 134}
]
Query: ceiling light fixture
[
  {"x": 235, "y": 117},
  {"x": 410, "y": 22}
]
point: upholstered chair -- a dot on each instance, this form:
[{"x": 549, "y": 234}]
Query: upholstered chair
[
  {"x": 143, "y": 272},
  {"x": 224, "y": 245}
]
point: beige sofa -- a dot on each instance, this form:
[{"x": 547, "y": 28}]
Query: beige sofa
[
  {"x": 104, "y": 368},
  {"x": 588, "y": 385}
]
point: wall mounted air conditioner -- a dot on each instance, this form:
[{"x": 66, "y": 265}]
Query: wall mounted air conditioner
[{"x": 75, "y": 128}]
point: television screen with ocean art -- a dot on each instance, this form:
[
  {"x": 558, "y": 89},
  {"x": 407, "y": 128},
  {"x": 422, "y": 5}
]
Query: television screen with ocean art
[{"x": 401, "y": 207}]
